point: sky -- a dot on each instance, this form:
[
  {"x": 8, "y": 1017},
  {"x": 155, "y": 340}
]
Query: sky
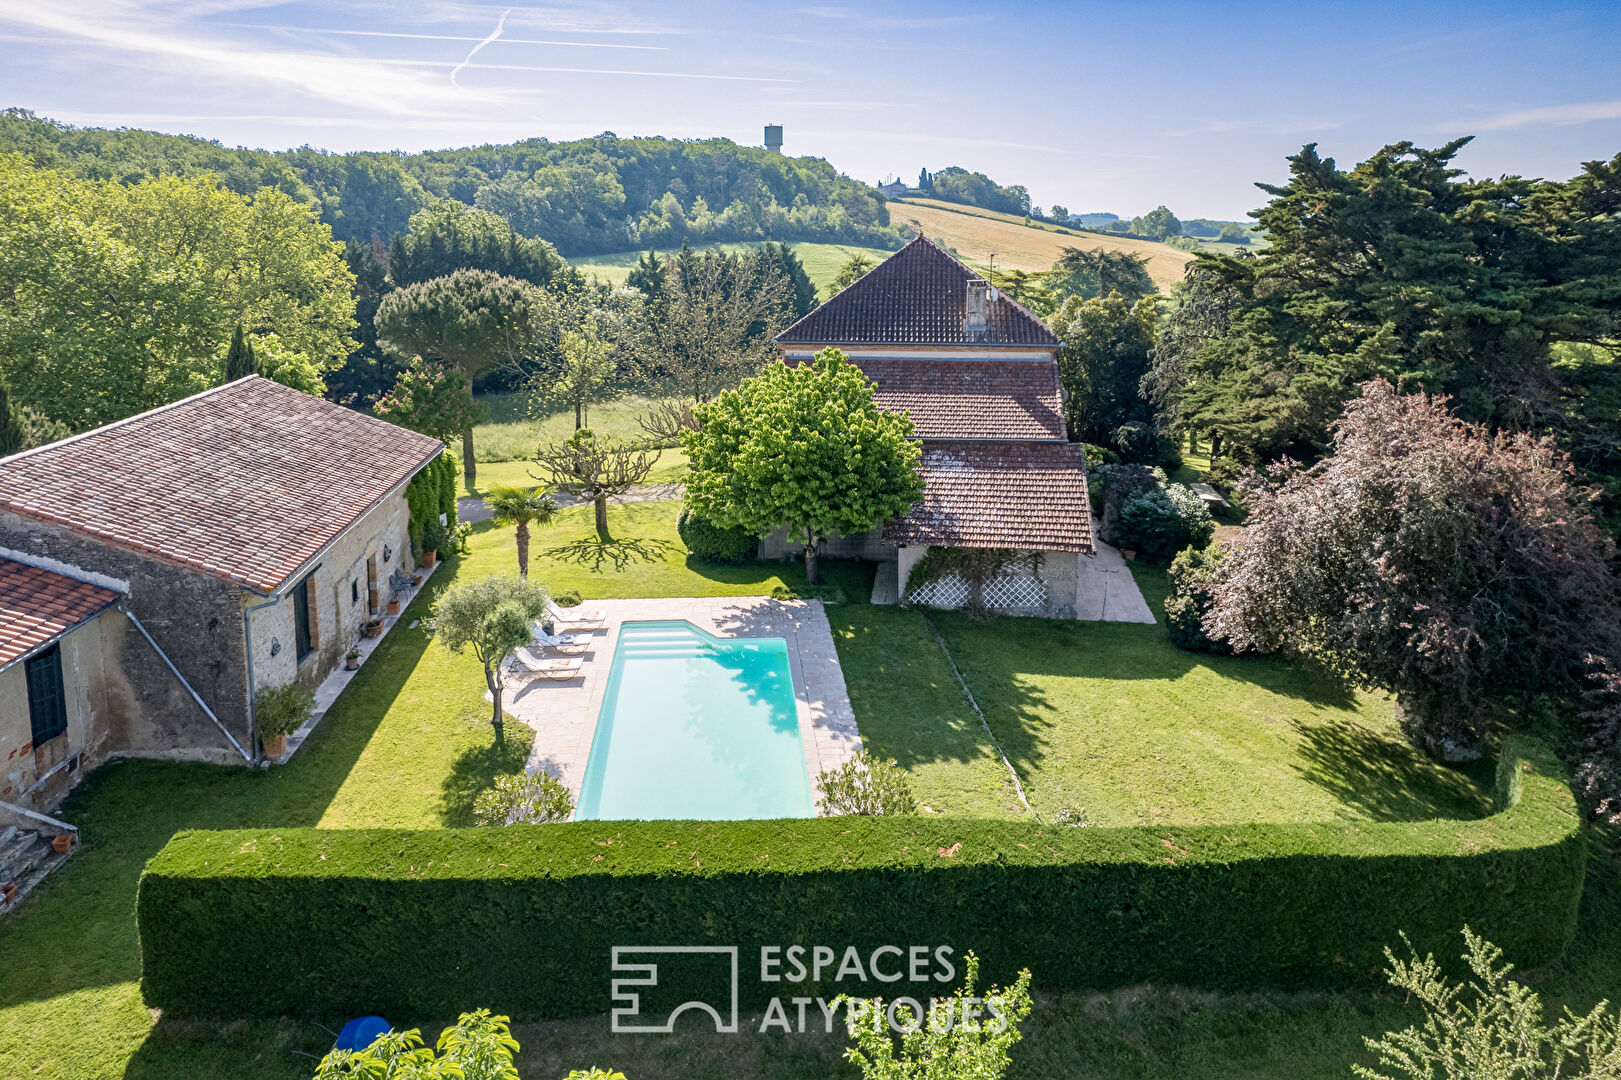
[{"x": 1117, "y": 106}]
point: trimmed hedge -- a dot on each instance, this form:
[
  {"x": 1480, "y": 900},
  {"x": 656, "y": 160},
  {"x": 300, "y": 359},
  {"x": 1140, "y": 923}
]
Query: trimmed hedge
[
  {"x": 717, "y": 543},
  {"x": 521, "y": 919}
]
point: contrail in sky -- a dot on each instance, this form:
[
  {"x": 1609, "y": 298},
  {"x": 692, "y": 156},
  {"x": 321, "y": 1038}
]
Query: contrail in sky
[{"x": 499, "y": 26}]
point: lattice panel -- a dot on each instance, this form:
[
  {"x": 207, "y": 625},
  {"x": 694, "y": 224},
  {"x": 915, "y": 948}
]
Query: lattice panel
[
  {"x": 950, "y": 591},
  {"x": 1014, "y": 588}
]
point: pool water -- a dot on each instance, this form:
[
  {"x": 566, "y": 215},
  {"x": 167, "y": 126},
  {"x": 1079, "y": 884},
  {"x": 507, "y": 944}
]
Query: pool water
[{"x": 694, "y": 726}]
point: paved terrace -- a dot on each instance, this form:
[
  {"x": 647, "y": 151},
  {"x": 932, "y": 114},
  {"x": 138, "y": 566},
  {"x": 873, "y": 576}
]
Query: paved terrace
[{"x": 564, "y": 714}]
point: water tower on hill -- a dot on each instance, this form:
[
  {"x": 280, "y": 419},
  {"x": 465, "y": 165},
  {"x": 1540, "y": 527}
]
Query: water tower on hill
[{"x": 773, "y": 138}]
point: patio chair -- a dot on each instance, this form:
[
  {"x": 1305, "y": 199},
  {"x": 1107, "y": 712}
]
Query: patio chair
[
  {"x": 560, "y": 668},
  {"x": 574, "y": 617},
  {"x": 561, "y": 642},
  {"x": 399, "y": 580}
]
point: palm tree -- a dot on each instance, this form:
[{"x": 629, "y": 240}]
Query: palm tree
[{"x": 522, "y": 507}]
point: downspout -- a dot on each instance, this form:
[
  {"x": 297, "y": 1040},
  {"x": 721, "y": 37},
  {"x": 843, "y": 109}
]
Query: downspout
[
  {"x": 247, "y": 638},
  {"x": 130, "y": 615}
]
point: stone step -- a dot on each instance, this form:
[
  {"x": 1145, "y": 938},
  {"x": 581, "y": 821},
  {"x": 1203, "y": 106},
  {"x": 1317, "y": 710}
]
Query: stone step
[
  {"x": 44, "y": 861},
  {"x": 20, "y": 855}
]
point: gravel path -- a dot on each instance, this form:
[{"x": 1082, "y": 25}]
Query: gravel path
[{"x": 471, "y": 507}]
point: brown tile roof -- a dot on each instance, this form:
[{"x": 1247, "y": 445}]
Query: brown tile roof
[
  {"x": 246, "y": 482},
  {"x": 37, "y": 606},
  {"x": 1029, "y": 495},
  {"x": 971, "y": 399},
  {"x": 917, "y": 296}
]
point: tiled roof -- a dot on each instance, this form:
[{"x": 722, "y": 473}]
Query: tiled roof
[
  {"x": 246, "y": 482},
  {"x": 917, "y": 296},
  {"x": 38, "y": 605},
  {"x": 971, "y": 399},
  {"x": 1029, "y": 495}
]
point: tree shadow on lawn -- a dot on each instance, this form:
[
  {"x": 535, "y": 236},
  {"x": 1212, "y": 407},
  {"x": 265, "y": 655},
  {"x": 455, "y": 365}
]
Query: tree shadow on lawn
[
  {"x": 476, "y": 769},
  {"x": 593, "y": 552},
  {"x": 77, "y": 929},
  {"x": 1387, "y": 779}
]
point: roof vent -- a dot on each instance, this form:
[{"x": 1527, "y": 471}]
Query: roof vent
[{"x": 973, "y": 320}]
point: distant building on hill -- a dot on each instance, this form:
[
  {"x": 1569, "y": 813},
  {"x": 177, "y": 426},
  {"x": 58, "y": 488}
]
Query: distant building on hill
[
  {"x": 892, "y": 189},
  {"x": 773, "y": 138}
]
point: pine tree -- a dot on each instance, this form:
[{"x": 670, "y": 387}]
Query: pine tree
[
  {"x": 240, "y": 361},
  {"x": 13, "y": 436}
]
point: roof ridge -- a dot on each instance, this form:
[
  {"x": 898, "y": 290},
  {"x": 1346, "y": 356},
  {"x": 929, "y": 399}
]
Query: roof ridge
[{"x": 131, "y": 419}]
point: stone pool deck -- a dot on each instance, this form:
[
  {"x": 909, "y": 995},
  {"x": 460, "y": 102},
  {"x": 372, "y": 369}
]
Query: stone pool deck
[{"x": 564, "y": 714}]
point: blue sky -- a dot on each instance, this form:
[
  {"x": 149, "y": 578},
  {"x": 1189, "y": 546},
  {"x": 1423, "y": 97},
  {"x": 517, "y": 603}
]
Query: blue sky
[{"x": 1097, "y": 106}]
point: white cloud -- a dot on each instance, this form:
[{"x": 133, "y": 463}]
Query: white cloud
[{"x": 1543, "y": 116}]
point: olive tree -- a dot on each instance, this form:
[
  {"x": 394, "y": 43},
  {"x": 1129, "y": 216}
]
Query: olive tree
[
  {"x": 806, "y": 447},
  {"x": 1454, "y": 567},
  {"x": 491, "y": 616}
]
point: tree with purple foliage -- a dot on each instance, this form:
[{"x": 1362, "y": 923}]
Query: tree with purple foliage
[{"x": 1457, "y": 568}]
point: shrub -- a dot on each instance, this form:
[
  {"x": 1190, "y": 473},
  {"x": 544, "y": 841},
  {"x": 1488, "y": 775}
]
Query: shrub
[
  {"x": 479, "y": 1046},
  {"x": 282, "y": 710},
  {"x": 435, "y": 537},
  {"x": 568, "y": 598},
  {"x": 868, "y": 787},
  {"x": 416, "y": 923},
  {"x": 1099, "y": 455},
  {"x": 1193, "y": 572},
  {"x": 1117, "y": 485},
  {"x": 1146, "y": 445},
  {"x": 1161, "y": 522},
  {"x": 827, "y": 594},
  {"x": 716, "y": 543},
  {"x": 523, "y": 799}
]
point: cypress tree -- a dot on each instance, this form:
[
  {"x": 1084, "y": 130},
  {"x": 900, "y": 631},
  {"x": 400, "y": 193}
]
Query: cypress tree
[
  {"x": 13, "y": 436},
  {"x": 239, "y": 360}
]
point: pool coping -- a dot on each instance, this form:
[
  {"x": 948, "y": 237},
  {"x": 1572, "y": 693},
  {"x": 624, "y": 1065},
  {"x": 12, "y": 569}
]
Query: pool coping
[{"x": 564, "y": 714}]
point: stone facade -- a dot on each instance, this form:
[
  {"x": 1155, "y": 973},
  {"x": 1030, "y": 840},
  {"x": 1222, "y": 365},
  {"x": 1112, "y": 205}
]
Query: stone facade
[{"x": 340, "y": 599}]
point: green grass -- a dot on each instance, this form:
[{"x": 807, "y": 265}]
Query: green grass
[
  {"x": 512, "y": 434},
  {"x": 670, "y": 469},
  {"x": 410, "y": 744},
  {"x": 821, "y": 261}
]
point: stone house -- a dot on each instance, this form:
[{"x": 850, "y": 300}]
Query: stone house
[
  {"x": 978, "y": 375},
  {"x": 156, "y": 572}
]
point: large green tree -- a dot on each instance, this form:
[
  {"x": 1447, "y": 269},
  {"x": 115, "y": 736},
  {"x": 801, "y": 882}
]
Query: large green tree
[
  {"x": 806, "y": 447},
  {"x": 473, "y": 319},
  {"x": 448, "y": 236},
  {"x": 713, "y": 323},
  {"x": 1403, "y": 267},
  {"x": 1107, "y": 348},
  {"x": 1094, "y": 272}
]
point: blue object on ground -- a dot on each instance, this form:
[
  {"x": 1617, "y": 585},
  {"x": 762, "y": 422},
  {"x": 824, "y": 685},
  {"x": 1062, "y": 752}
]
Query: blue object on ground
[{"x": 359, "y": 1034}]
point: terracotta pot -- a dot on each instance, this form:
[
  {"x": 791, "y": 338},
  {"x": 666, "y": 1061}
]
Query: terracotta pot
[
  {"x": 428, "y": 559},
  {"x": 61, "y": 842},
  {"x": 275, "y": 745},
  {"x": 393, "y": 607},
  {"x": 7, "y": 893},
  {"x": 351, "y": 663},
  {"x": 1131, "y": 556},
  {"x": 372, "y": 629}
]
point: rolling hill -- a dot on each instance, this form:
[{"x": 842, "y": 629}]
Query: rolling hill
[{"x": 975, "y": 233}]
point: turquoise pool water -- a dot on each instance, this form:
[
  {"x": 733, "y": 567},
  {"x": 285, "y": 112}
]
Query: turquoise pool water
[{"x": 694, "y": 726}]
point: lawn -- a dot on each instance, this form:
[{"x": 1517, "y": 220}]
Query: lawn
[
  {"x": 512, "y": 434},
  {"x": 821, "y": 261},
  {"x": 671, "y": 469},
  {"x": 409, "y": 745}
]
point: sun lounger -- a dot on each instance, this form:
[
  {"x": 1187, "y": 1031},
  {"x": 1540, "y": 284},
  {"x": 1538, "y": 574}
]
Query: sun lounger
[
  {"x": 561, "y": 642},
  {"x": 549, "y": 667},
  {"x": 575, "y": 617}
]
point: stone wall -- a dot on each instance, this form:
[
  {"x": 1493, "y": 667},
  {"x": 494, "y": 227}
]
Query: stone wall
[
  {"x": 868, "y": 545},
  {"x": 195, "y": 618},
  {"x": 335, "y": 612},
  {"x": 93, "y": 701}
]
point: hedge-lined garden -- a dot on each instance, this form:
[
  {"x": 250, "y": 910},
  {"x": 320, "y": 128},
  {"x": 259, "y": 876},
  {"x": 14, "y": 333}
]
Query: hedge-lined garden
[{"x": 522, "y": 919}]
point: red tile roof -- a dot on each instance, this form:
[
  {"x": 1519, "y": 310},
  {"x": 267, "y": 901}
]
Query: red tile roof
[
  {"x": 917, "y": 296},
  {"x": 1026, "y": 495},
  {"x": 37, "y": 606},
  {"x": 246, "y": 482},
  {"x": 971, "y": 399}
]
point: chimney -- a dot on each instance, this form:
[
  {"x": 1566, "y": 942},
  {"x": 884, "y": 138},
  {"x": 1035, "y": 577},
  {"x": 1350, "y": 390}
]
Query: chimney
[{"x": 973, "y": 320}]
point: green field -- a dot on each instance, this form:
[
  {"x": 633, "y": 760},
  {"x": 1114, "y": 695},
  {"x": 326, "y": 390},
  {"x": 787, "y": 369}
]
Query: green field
[
  {"x": 822, "y": 261},
  {"x": 512, "y": 435}
]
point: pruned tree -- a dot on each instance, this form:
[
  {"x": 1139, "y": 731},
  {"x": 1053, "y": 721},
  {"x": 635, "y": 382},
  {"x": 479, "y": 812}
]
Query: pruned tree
[
  {"x": 491, "y": 616},
  {"x": 1454, "y": 567},
  {"x": 806, "y": 447},
  {"x": 666, "y": 418},
  {"x": 473, "y": 319},
  {"x": 596, "y": 469}
]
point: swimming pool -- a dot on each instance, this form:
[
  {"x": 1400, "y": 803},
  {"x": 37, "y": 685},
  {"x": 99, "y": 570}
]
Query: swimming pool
[{"x": 695, "y": 726}]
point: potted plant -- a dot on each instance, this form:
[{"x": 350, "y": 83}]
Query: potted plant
[
  {"x": 351, "y": 659},
  {"x": 372, "y": 628},
  {"x": 433, "y": 540},
  {"x": 393, "y": 605},
  {"x": 278, "y": 711}
]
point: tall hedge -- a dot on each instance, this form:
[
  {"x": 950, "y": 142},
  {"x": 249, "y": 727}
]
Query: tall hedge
[{"x": 522, "y": 919}]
